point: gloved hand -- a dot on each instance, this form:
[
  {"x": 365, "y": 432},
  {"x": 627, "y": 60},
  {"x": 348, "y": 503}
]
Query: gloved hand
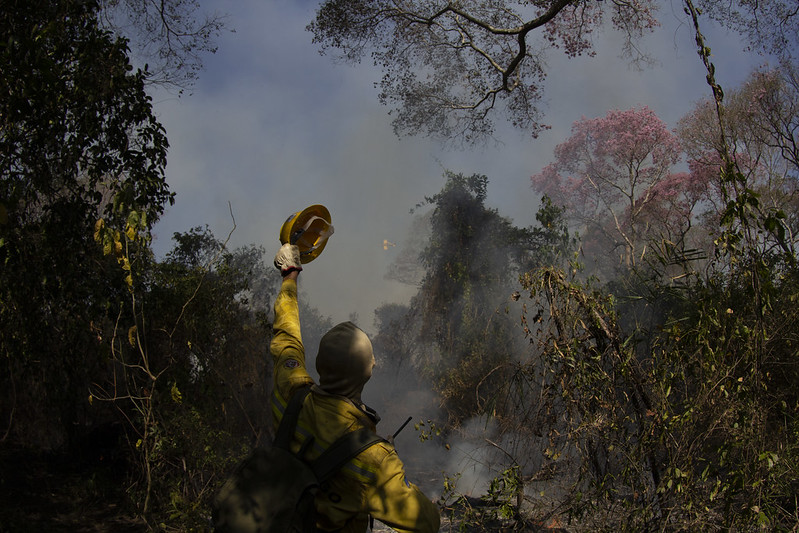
[{"x": 288, "y": 259}]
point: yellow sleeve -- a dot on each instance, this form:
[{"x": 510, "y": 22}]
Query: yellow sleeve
[
  {"x": 398, "y": 503},
  {"x": 288, "y": 353}
]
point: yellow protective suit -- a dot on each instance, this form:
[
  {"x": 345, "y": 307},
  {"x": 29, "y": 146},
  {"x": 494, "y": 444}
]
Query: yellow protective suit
[{"x": 374, "y": 482}]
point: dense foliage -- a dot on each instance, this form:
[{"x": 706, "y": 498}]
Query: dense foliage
[
  {"x": 79, "y": 141},
  {"x": 188, "y": 368},
  {"x": 129, "y": 366},
  {"x": 661, "y": 396}
]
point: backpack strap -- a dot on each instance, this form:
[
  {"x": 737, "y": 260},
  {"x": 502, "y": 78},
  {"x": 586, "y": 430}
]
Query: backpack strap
[
  {"x": 341, "y": 451},
  {"x": 285, "y": 431}
]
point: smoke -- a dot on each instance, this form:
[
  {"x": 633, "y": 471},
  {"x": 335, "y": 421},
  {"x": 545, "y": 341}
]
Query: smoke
[
  {"x": 472, "y": 454},
  {"x": 274, "y": 131},
  {"x": 272, "y": 127}
]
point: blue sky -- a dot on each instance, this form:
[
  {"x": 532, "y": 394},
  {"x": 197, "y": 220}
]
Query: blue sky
[{"x": 272, "y": 127}]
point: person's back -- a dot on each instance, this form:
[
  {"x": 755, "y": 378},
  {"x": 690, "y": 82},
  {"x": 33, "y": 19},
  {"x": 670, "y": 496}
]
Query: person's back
[{"x": 374, "y": 482}]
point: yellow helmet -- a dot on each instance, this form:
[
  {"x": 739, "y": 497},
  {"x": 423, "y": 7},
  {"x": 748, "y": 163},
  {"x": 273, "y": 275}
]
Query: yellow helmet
[{"x": 309, "y": 229}]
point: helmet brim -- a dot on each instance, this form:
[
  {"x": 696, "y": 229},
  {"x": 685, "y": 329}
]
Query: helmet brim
[{"x": 309, "y": 229}]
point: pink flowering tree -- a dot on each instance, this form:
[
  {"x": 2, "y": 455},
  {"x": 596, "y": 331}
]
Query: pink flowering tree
[{"x": 614, "y": 177}]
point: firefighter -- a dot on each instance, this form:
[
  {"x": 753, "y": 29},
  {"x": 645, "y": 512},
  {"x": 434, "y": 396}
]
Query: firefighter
[{"x": 374, "y": 483}]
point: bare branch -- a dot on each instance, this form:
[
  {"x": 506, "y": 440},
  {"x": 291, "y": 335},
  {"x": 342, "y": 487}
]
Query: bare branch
[{"x": 448, "y": 70}]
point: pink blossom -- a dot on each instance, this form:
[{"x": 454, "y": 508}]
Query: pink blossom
[{"x": 615, "y": 173}]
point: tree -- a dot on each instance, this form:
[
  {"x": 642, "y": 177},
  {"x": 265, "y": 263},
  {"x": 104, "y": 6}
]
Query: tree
[
  {"x": 759, "y": 129},
  {"x": 170, "y": 36},
  {"x": 774, "y": 105},
  {"x": 449, "y": 67},
  {"x": 691, "y": 425},
  {"x": 188, "y": 370},
  {"x": 78, "y": 141},
  {"x": 771, "y": 27},
  {"x": 459, "y": 331},
  {"x": 613, "y": 175}
]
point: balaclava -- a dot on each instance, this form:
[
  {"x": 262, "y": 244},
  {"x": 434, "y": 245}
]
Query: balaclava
[{"x": 345, "y": 361}]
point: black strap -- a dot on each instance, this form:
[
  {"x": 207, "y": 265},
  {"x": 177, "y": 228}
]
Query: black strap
[
  {"x": 341, "y": 451},
  {"x": 285, "y": 431}
]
